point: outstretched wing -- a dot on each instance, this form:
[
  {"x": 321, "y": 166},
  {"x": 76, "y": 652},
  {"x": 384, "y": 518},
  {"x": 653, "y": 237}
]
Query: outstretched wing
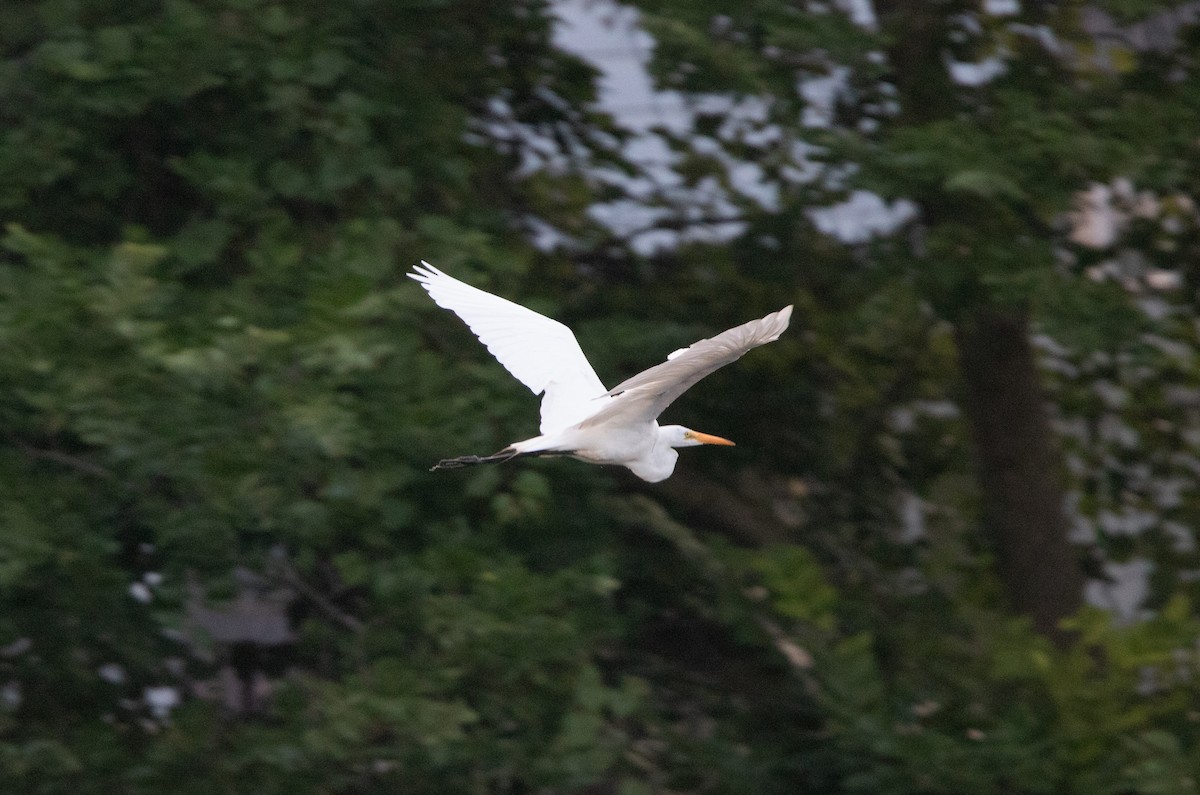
[
  {"x": 645, "y": 396},
  {"x": 540, "y": 353}
]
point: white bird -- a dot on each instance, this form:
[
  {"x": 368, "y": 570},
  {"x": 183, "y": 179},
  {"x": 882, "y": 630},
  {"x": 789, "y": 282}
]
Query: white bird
[{"x": 580, "y": 418}]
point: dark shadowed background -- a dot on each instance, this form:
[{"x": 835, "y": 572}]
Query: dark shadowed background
[{"x": 954, "y": 550}]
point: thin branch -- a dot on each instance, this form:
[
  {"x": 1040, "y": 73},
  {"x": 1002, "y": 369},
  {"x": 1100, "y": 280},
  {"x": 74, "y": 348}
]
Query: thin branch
[
  {"x": 291, "y": 577},
  {"x": 66, "y": 459}
]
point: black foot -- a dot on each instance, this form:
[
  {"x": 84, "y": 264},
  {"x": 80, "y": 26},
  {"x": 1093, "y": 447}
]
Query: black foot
[{"x": 507, "y": 454}]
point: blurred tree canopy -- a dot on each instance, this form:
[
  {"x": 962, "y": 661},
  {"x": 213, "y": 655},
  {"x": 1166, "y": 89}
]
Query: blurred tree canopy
[{"x": 225, "y": 567}]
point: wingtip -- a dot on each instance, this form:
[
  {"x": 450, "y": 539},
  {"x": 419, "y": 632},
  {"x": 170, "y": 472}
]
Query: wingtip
[
  {"x": 424, "y": 272},
  {"x": 785, "y": 317}
]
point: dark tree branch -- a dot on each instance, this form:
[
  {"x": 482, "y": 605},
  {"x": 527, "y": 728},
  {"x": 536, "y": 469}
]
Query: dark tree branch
[
  {"x": 67, "y": 460},
  {"x": 289, "y": 576},
  {"x": 713, "y": 506}
]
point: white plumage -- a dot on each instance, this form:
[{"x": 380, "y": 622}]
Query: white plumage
[{"x": 581, "y": 418}]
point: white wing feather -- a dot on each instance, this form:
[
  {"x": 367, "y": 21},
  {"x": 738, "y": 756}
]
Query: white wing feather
[
  {"x": 540, "y": 352},
  {"x": 644, "y": 396}
]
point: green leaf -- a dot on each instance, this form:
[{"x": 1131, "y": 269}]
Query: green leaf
[{"x": 985, "y": 185}]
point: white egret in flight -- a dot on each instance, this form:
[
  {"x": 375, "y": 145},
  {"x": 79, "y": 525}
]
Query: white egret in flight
[{"x": 580, "y": 418}]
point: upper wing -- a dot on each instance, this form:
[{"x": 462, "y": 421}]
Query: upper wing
[
  {"x": 647, "y": 394},
  {"x": 540, "y": 353}
]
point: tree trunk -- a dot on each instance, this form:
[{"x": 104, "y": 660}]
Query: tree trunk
[{"x": 1018, "y": 465}]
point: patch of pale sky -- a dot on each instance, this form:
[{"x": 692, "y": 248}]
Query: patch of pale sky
[
  {"x": 161, "y": 700},
  {"x": 861, "y": 13},
  {"x": 713, "y": 233},
  {"x": 862, "y": 216},
  {"x": 10, "y": 694},
  {"x": 1001, "y": 8},
  {"x": 749, "y": 179},
  {"x": 746, "y": 177},
  {"x": 804, "y": 168},
  {"x": 546, "y": 236},
  {"x": 536, "y": 150},
  {"x": 1127, "y": 521},
  {"x": 743, "y": 115},
  {"x": 624, "y": 87},
  {"x": 654, "y": 156},
  {"x": 911, "y": 512},
  {"x": 820, "y": 95},
  {"x": 978, "y": 73},
  {"x": 608, "y": 35},
  {"x": 112, "y": 673},
  {"x": 1124, "y": 591},
  {"x": 626, "y": 217},
  {"x": 140, "y": 592}
]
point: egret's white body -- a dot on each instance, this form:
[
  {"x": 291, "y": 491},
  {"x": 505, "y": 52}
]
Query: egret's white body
[{"x": 581, "y": 418}]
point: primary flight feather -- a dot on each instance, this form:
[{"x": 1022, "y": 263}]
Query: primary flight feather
[{"x": 580, "y": 417}]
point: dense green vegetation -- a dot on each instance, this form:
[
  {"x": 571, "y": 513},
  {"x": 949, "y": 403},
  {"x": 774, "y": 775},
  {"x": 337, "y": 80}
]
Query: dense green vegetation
[{"x": 225, "y": 566}]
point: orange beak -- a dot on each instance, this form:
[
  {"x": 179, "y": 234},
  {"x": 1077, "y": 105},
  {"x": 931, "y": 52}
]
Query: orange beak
[{"x": 705, "y": 438}]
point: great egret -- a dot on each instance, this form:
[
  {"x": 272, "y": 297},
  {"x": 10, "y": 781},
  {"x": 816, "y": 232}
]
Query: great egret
[{"x": 580, "y": 418}]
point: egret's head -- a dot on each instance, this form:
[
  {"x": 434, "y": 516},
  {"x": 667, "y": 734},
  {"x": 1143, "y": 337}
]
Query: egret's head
[{"x": 679, "y": 436}]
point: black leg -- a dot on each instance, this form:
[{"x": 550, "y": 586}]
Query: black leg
[{"x": 507, "y": 454}]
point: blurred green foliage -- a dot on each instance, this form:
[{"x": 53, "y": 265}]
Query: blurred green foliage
[{"x": 211, "y": 363}]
